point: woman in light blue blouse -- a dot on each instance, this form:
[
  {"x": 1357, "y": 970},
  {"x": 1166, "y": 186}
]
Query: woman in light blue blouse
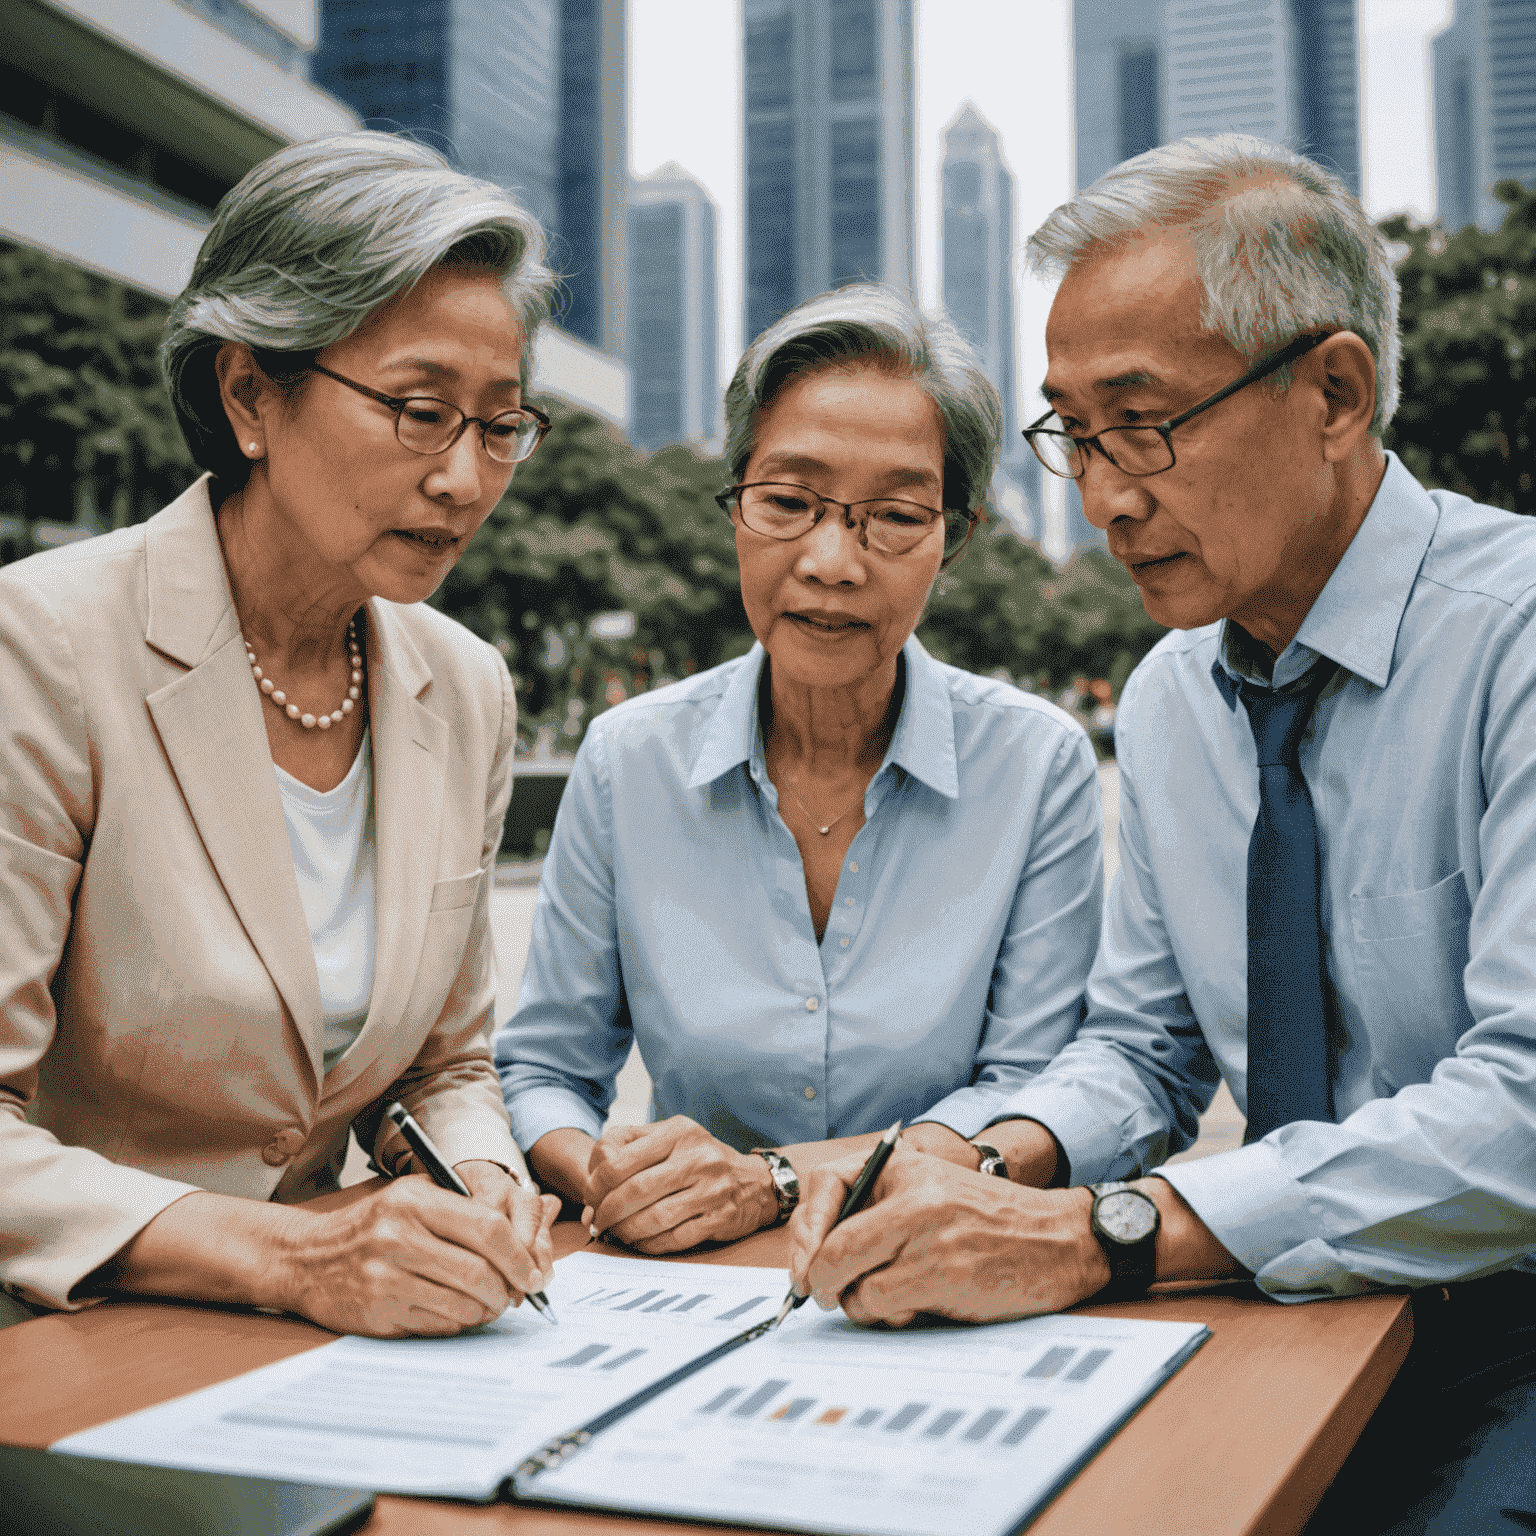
[{"x": 831, "y": 883}]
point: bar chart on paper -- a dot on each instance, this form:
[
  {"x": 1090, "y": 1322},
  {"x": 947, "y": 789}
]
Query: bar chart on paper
[
  {"x": 476, "y": 1405},
  {"x": 946, "y": 1431}
]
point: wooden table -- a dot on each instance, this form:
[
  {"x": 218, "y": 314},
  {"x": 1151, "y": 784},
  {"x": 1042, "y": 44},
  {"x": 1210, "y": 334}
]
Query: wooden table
[{"x": 1244, "y": 1439}]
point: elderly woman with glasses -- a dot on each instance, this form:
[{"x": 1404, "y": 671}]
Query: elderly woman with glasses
[
  {"x": 834, "y": 883},
  {"x": 251, "y": 785}
]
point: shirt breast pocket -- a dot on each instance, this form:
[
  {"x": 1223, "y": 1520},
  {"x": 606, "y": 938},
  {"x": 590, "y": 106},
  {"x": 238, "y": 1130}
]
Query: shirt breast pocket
[
  {"x": 456, "y": 891},
  {"x": 1412, "y": 954}
]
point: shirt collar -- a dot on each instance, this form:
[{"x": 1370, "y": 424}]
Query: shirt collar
[
  {"x": 923, "y": 743},
  {"x": 1356, "y": 617}
]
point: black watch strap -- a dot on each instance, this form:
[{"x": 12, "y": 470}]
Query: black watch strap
[
  {"x": 1125, "y": 1222},
  {"x": 991, "y": 1160}
]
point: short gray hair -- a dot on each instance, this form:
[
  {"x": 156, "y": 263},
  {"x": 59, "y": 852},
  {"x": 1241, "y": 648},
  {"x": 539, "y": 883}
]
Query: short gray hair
[
  {"x": 871, "y": 325},
  {"x": 310, "y": 243},
  {"x": 1295, "y": 253}
]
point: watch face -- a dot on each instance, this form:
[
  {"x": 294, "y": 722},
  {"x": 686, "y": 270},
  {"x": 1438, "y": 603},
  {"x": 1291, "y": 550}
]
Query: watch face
[{"x": 1126, "y": 1215}]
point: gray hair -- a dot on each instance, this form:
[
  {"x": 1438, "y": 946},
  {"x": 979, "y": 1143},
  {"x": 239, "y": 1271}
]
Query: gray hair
[
  {"x": 310, "y": 243},
  {"x": 1292, "y": 252},
  {"x": 871, "y": 325}
]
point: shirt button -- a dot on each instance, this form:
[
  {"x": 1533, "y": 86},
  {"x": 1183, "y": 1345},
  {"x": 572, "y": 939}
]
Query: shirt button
[
  {"x": 847, "y": 901},
  {"x": 810, "y": 1093},
  {"x": 854, "y": 866},
  {"x": 812, "y": 1004},
  {"x": 845, "y": 942}
]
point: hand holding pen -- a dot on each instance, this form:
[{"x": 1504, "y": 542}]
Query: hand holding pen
[
  {"x": 857, "y": 1195},
  {"x": 444, "y": 1177}
]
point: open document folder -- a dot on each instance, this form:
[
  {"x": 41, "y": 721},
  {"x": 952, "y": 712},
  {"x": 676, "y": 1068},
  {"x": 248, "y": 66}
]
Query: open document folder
[{"x": 817, "y": 1426}]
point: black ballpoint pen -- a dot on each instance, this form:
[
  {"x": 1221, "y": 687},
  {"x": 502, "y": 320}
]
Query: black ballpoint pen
[
  {"x": 445, "y": 1178},
  {"x": 856, "y": 1197}
]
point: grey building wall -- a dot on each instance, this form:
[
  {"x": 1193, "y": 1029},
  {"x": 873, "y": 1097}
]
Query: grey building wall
[{"x": 828, "y": 107}]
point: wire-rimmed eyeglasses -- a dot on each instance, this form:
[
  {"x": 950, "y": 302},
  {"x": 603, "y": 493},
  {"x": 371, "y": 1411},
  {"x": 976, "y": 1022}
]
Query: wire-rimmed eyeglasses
[
  {"x": 887, "y": 524},
  {"x": 1146, "y": 450},
  {"x": 427, "y": 425}
]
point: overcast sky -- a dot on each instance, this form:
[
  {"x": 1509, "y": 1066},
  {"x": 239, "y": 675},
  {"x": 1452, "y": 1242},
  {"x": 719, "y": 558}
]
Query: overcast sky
[{"x": 1013, "y": 59}]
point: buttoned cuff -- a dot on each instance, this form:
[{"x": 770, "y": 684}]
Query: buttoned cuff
[
  {"x": 1256, "y": 1211},
  {"x": 538, "y": 1111},
  {"x": 1092, "y": 1142}
]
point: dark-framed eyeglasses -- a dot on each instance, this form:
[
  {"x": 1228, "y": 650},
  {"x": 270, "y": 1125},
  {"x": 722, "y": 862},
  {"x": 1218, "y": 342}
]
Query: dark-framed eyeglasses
[
  {"x": 430, "y": 426},
  {"x": 887, "y": 524},
  {"x": 1146, "y": 450}
]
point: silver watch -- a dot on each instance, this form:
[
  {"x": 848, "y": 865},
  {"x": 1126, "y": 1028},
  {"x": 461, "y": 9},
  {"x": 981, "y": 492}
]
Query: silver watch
[
  {"x": 786, "y": 1184},
  {"x": 991, "y": 1160}
]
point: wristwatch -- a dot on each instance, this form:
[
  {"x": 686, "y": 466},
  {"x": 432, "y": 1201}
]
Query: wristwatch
[
  {"x": 991, "y": 1160},
  {"x": 1125, "y": 1221},
  {"x": 786, "y": 1184}
]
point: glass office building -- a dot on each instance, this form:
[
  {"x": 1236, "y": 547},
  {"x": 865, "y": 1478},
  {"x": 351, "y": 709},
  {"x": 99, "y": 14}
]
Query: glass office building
[
  {"x": 673, "y": 315},
  {"x": 1485, "y": 107},
  {"x": 828, "y": 102},
  {"x": 530, "y": 94},
  {"x": 1148, "y": 71}
]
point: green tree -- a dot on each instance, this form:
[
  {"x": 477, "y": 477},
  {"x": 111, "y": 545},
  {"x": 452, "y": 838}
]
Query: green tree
[
  {"x": 590, "y": 525},
  {"x": 1467, "y": 420},
  {"x": 86, "y": 427}
]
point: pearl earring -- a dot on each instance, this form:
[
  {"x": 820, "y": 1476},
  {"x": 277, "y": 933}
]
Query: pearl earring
[{"x": 254, "y": 448}]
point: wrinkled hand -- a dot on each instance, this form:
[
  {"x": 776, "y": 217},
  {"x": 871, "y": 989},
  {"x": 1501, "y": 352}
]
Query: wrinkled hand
[
  {"x": 669, "y": 1186},
  {"x": 937, "y": 1238},
  {"x": 409, "y": 1258},
  {"x": 939, "y": 1141}
]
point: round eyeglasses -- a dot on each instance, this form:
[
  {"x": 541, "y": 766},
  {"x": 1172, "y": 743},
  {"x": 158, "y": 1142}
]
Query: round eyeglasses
[
  {"x": 1143, "y": 451},
  {"x": 886, "y": 524},
  {"x": 430, "y": 426}
]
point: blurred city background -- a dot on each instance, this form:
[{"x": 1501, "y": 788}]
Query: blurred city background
[{"x": 702, "y": 166}]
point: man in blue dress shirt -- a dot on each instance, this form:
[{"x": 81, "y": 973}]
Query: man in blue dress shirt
[{"x": 1327, "y": 892}]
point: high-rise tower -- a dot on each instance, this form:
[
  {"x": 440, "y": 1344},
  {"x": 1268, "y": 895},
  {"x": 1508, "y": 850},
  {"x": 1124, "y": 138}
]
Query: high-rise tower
[
  {"x": 978, "y": 248},
  {"x": 1117, "y": 68},
  {"x": 673, "y": 315},
  {"x": 829, "y": 149},
  {"x": 1148, "y": 71},
  {"x": 1485, "y": 107},
  {"x": 530, "y": 94}
]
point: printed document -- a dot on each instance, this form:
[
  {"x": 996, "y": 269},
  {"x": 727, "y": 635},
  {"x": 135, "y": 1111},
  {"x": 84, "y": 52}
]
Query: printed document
[
  {"x": 948, "y": 1430},
  {"x": 452, "y": 1417}
]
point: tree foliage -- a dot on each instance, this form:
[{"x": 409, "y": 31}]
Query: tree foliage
[
  {"x": 85, "y": 424},
  {"x": 1468, "y": 415}
]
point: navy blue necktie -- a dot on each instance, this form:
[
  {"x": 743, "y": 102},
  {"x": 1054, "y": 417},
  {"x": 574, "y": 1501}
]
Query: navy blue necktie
[{"x": 1288, "y": 1075}]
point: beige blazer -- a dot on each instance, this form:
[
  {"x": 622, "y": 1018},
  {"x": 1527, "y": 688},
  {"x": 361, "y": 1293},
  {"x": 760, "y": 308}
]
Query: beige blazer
[{"x": 159, "y": 1005}]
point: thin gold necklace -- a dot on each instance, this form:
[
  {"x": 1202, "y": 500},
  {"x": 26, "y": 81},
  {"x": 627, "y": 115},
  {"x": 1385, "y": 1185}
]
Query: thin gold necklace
[{"x": 789, "y": 784}]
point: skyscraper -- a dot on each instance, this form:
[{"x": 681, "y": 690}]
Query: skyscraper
[
  {"x": 1485, "y": 107},
  {"x": 530, "y": 94},
  {"x": 1284, "y": 70},
  {"x": 1149, "y": 71},
  {"x": 977, "y": 194},
  {"x": 673, "y": 317},
  {"x": 593, "y": 167},
  {"x": 1117, "y": 67},
  {"x": 829, "y": 149}
]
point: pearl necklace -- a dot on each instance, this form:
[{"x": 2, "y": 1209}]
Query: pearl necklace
[{"x": 309, "y": 722}]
